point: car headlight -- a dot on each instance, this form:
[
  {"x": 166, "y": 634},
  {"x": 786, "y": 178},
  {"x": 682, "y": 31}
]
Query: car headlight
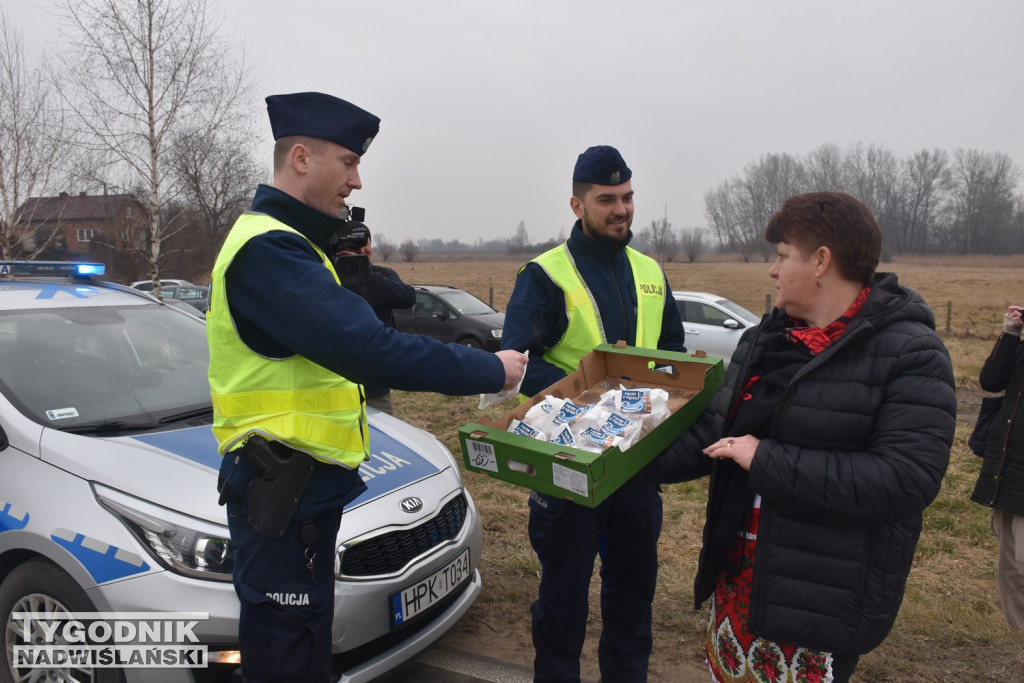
[
  {"x": 183, "y": 544},
  {"x": 496, "y": 333}
]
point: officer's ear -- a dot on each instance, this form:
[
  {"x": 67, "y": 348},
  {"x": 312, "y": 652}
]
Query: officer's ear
[
  {"x": 299, "y": 158},
  {"x": 577, "y": 206}
]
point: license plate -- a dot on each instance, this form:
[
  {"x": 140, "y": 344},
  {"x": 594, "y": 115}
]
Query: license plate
[{"x": 420, "y": 596}]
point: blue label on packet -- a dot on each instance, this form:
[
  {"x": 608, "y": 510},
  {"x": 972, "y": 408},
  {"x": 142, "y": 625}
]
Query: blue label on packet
[
  {"x": 617, "y": 424},
  {"x": 598, "y": 436},
  {"x": 565, "y": 438},
  {"x": 570, "y": 412},
  {"x": 524, "y": 429},
  {"x": 636, "y": 401}
]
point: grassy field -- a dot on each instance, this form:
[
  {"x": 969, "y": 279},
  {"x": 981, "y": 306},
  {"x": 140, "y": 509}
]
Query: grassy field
[{"x": 950, "y": 627}]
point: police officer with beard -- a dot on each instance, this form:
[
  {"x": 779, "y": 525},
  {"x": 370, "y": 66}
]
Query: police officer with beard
[{"x": 590, "y": 290}]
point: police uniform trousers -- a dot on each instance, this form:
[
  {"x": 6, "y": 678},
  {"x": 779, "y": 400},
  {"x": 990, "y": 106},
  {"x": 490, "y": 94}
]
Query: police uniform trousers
[
  {"x": 623, "y": 530},
  {"x": 286, "y": 589}
]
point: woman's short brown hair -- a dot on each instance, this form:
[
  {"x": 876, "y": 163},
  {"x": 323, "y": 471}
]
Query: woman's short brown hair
[{"x": 835, "y": 220}]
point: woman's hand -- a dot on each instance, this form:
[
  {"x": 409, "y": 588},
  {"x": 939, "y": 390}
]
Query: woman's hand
[
  {"x": 1012, "y": 322},
  {"x": 739, "y": 449}
]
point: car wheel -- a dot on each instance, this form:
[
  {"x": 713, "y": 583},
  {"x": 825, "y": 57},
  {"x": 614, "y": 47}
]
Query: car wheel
[
  {"x": 471, "y": 343},
  {"x": 40, "y": 586}
]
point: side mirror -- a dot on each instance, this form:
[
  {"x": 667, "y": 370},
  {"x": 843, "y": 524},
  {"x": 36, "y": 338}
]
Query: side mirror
[{"x": 731, "y": 324}]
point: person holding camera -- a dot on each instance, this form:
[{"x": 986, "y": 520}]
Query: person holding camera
[
  {"x": 383, "y": 289},
  {"x": 1000, "y": 483},
  {"x": 290, "y": 349}
]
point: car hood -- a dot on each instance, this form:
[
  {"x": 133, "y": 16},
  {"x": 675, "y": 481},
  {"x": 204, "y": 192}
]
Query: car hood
[
  {"x": 491, "y": 320},
  {"x": 177, "y": 469}
]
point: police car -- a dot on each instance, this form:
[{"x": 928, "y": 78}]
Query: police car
[{"x": 115, "y": 558}]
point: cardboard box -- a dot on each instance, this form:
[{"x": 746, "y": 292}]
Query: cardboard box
[{"x": 582, "y": 476}]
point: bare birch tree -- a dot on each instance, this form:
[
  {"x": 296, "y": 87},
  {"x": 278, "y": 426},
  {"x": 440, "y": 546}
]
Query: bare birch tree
[
  {"x": 383, "y": 247},
  {"x": 662, "y": 237},
  {"x": 140, "y": 76},
  {"x": 983, "y": 201},
  {"x": 924, "y": 188},
  {"x": 31, "y": 145},
  {"x": 217, "y": 173}
]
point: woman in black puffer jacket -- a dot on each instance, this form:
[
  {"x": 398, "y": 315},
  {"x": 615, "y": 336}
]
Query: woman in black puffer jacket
[
  {"x": 1001, "y": 480},
  {"x": 828, "y": 438}
]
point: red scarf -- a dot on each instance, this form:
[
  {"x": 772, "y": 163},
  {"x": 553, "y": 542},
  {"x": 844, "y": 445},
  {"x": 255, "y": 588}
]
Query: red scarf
[{"x": 817, "y": 339}]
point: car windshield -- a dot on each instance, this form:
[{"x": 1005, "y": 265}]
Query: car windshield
[
  {"x": 104, "y": 367},
  {"x": 734, "y": 307},
  {"x": 465, "y": 303}
]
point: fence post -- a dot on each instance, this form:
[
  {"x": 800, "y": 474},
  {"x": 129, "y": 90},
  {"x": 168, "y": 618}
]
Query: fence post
[
  {"x": 492, "y": 296},
  {"x": 949, "y": 318}
]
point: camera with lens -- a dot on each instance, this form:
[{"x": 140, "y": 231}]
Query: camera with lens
[{"x": 353, "y": 235}]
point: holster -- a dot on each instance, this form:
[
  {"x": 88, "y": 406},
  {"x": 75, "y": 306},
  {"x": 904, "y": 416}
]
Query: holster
[{"x": 273, "y": 496}]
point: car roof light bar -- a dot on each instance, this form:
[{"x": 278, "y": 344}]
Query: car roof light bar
[{"x": 65, "y": 268}]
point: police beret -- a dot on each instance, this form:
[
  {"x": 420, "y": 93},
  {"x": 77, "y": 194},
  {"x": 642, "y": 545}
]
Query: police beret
[
  {"x": 601, "y": 165},
  {"x": 322, "y": 116}
]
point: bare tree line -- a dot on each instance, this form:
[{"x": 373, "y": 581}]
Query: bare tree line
[
  {"x": 139, "y": 97},
  {"x": 145, "y": 97},
  {"x": 933, "y": 201}
]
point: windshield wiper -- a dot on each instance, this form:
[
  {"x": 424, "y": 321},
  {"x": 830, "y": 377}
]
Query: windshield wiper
[
  {"x": 111, "y": 426},
  {"x": 187, "y": 415}
]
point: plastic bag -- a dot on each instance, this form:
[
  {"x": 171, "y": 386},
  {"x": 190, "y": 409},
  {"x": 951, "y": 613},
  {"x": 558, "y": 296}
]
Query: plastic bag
[{"x": 488, "y": 400}]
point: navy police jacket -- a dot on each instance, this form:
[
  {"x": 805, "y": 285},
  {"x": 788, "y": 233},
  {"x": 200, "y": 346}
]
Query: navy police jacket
[
  {"x": 535, "y": 318},
  {"x": 284, "y": 302}
]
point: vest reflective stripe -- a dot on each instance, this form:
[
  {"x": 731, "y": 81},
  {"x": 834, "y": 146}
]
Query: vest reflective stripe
[
  {"x": 585, "y": 329},
  {"x": 291, "y": 400},
  {"x": 649, "y": 281}
]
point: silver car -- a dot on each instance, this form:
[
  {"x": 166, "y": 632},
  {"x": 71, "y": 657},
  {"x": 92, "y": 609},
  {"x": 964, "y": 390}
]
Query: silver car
[
  {"x": 713, "y": 323},
  {"x": 108, "y": 503}
]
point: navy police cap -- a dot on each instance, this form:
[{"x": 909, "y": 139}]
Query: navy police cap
[
  {"x": 601, "y": 165},
  {"x": 322, "y": 116}
]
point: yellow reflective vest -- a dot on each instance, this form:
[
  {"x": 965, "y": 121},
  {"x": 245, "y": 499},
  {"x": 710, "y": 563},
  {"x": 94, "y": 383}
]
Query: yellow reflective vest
[
  {"x": 292, "y": 400},
  {"x": 585, "y": 329}
]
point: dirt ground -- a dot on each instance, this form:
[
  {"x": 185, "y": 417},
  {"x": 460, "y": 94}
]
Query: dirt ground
[{"x": 474, "y": 636}]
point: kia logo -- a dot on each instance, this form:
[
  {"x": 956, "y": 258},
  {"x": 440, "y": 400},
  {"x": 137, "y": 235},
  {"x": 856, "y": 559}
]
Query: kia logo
[{"x": 412, "y": 504}]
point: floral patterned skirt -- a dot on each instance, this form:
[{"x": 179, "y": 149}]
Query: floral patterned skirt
[{"x": 734, "y": 654}]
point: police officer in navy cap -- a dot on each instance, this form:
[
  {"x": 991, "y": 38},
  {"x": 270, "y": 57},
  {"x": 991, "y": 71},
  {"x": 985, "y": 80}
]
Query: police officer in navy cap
[
  {"x": 593, "y": 289},
  {"x": 290, "y": 349}
]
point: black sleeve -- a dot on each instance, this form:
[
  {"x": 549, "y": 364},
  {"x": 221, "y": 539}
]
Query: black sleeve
[
  {"x": 392, "y": 291},
  {"x": 995, "y": 373}
]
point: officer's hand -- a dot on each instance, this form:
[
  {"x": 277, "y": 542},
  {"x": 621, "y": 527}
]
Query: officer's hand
[{"x": 515, "y": 366}]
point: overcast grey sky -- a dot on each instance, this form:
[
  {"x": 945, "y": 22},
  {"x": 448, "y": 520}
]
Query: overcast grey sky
[{"x": 485, "y": 104}]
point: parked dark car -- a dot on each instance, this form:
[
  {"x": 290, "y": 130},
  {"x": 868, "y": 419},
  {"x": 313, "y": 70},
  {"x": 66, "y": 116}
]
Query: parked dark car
[{"x": 450, "y": 314}]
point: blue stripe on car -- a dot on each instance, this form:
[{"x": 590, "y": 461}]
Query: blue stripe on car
[
  {"x": 392, "y": 464},
  {"x": 103, "y": 561},
  {"x": 11, "y": 518}
]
